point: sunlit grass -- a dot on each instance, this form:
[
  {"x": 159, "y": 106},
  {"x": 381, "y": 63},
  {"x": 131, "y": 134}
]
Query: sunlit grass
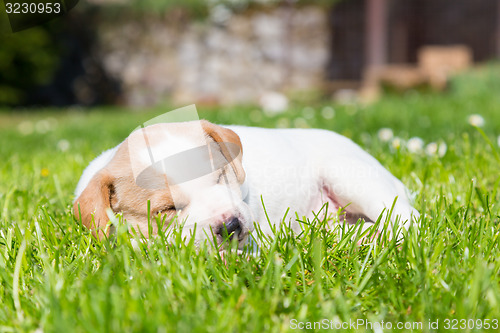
[{"x": 55, "y": 277}]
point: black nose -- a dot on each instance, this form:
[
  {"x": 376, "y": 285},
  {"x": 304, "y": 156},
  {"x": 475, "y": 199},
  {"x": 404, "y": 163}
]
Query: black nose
[{"x": 230, "y": 228}]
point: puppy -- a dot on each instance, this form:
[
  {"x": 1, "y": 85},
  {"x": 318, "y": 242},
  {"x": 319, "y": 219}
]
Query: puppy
[{"x": 217, "y": 180}]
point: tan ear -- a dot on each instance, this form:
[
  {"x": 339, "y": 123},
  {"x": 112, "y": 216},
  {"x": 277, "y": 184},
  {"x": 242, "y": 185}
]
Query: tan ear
[
  {"x": 223, "y": 135},
  {"x": 94, "y": 201}
]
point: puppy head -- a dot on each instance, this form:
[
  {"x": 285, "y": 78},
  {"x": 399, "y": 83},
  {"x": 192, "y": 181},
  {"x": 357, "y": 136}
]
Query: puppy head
[{"x": 191, "y": 170}]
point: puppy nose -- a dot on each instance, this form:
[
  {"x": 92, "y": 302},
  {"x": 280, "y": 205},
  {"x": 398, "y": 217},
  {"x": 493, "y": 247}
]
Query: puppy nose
[{"x": 230, "y": 228}]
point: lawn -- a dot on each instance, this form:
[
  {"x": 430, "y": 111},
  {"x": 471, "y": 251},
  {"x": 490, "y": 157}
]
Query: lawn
[{"x": 54, "y": 277}]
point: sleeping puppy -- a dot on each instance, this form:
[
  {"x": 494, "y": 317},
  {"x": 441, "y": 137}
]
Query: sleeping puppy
[{"x": 217, "y": 180}]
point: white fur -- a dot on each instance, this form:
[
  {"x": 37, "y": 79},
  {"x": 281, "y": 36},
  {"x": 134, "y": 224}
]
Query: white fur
[
  {"x": 97, "y": 164},
  {"x": 298, "y": 169},
  {"x": 287, "y": 167}
]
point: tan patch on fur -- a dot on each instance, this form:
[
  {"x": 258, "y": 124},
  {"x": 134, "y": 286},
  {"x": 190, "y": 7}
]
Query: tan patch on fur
[
  {"x": 115, "y": 187},
  {"x": 222, "y": 135},
  {"x": 94, "y": 201}
]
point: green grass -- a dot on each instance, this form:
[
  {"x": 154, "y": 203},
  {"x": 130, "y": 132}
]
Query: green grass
[{"x": 55, "y": 277}]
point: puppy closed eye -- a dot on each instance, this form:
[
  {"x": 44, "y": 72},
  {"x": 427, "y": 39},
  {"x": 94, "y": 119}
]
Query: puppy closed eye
[{"x": 165, "y": 210}]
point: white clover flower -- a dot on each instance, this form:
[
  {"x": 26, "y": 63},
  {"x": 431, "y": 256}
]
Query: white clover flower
[
  {"x": 308, "y": 112},
  {"x": 415, "y": 145},
  {"x": 300, "y": 123},
  {"x": 431, "y": 149},
  {"x": 443, "y": 148},
  {"x": 273, "y": 102},
  {"x": 396, "y": 143},
  {"x": 283, "y": 123},
  {"x": 476, "y": 120},
  {"x": 63, "y": 145},
  {"x": 385, "y": 134},
  {"x": 42, "y": 126},
  {"x": 25, "y": 127},
  {"x": 328, "y": 112},
  {"x": 45, "y": 125}
]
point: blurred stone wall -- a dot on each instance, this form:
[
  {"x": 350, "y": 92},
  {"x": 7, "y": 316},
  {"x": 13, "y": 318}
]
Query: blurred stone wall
[{"x": 233, "y": 59}]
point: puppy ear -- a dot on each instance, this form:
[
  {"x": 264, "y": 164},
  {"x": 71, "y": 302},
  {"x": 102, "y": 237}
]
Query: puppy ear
[
  {"x": 230, "y": 145},
  {"x": 94, "y": 201}
]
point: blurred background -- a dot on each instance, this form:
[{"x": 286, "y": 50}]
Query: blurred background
[{"x": 142, "y": 53}]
